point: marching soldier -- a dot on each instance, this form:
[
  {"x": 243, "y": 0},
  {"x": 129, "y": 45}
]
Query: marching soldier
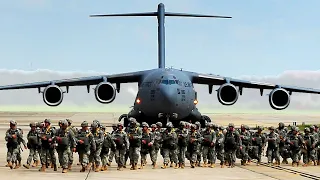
[
  {"x": 282, "y": 146},
  {"x": 182, "y": 134},
  {"x": 194, "y": 138},
  {"x": 147, "y": 142},
  {"x": 199, "y": 130},
  {"x": 156, "y": 144},
  {"x": 169, "y": 146},
  {"x": 111, "y": 154},
  {"x": 74, "y": 130},
  {"x": 98, "y": 135},
  {"x": 295, "y": 141},
  {"x": 220, "y": 146},
  {"x": 134, "y": 135},
  {"x": 208, "y": 145},
  {"x": 85, "y": 142},
  {"x": 258, "y": 144},
  {"x": 66, "y": 141},
  {"x": 47, "y": 152},
  {"x": 33, "y": 146},
  {"x": 308, "y": 148},
  {"x": 108, "y": 144},
  {"x": 120, "y": 138},
  {"x": 273, "y": 146},
  {"x": 13, "y": 137},
  {"x": 246, "y": 142},
  {"x": 232, "y": 141}
]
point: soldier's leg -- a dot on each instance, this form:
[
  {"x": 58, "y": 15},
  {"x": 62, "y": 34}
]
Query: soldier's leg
[
  {"x": 64, "y": 155},
  {"x": 29, "y": 159},
  {"x": 97, "y": 159},
  {"x": 9, "y": 154},
  {"x": 312, "y": 156},
  {"x": 199, "y": 154},
  {"x": 131, "y": 150},
  {"x": 305, "y": 160},
  {"x": 212, "y": 156},
  {"x": 15, "y": 154},
  {"x": 166, "y": 158},
  {"x": 104, "y": 160},
  {"x": 70, "y": 159},
  {"x": 174, "y": 157},
  {"x": 205, "y": 153},
  {"x": 18, "y": 163},
  {"x": 221, "y": 155},
  {"x": 81, "y": 154},
  {"x": 35, "y": 157},
  {"x": 111, "y": 155},
  {"x": 153, "y": 157},
  {"x": 194, "y": 158},
  {"x": 269, "y": 155},
  {"x": 183, "y": 156},
  {"x": 53, "y": 158},
  {"x": 136, "y": 155},
  {"x": 126, "y": 157}
]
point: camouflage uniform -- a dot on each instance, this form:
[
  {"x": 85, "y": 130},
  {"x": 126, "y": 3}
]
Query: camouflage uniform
[
  {"x": 182, "y": 134},
  {"x": 122, "y": 145},
  {"x": 308, "y": 148},
  {"x": 258, "y": 144},
  {"x": 13, "y": 138},
  {"x": 194, "y": 138},
  {"x": 199, "y": 129},
  {"x": 169, "y": 145},
  {"x": 99, "y": 139},
  {"x": 134, "y": 135},
  {"x": 232, "y": 141},
  {"x": 156, "y": 144},
  {"x": 66, "y": 141},
  {"x": 74, "y": 130},
  {"x": 47, "y": 152},
  {"x": 283, "y": 150},
  {"x": 246, "y": 143},
  {"x": 295, "y": 141},
  {"x": 147, "y": 146},
  {"x": 108, "y": 144},
  {"x": 33, "y": 146},
  {"x": 85, "y": 141},
  {"x": 208, "y": 144},
  {"x": 220, "y": 146},
  {"x": 111, "y": 154},
  {"x": 273, "y": 146}
]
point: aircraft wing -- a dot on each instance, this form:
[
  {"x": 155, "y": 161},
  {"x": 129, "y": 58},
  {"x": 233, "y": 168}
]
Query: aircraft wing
[
  {"x": 82, "y": 81},
  {"x": 210, "y": 79}
]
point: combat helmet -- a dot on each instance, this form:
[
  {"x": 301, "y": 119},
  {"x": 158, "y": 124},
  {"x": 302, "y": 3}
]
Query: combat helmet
[
  {"x": 33, "y": 124},
  {"x": 84, "y": 124}
]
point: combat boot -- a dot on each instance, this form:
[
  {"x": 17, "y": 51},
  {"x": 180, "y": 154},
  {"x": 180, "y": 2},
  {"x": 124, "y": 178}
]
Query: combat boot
[
  {"x": 17, "y": 166},
  {"x": 69, "y": 167},
  {"x": 176, "y": 166},
  {"x": 305, "y": 165},
  {"x": 43, "y": 168},
  {"x": 164, "y": 166},
  {"x": 205, "y": 164},
  {"x": 132, "y": 166},
  {"x": 222, "y": 165},
  {"x": 212, "y": 165},
  {"x": 141, "y": 165},
  {"x": 193, "y": 165},
  {"x": 154, "y": 165},
  {"x": 182, "y": 166},
  {"x": 171, "y": 164},
  {"x": 26, "y": 166},
  {"x": 294, "y": 164},
  {"x": 198, "y": 164},
  {"x": 10, "y": 165},
  {"x": 314, "y": 163},
  {"x": 109, "y": 163},
  {"x": 83, "y": 169},
  {"x": 64, "y": 170},
  {"x": 97, "y": 169},
  {"x": 120, "y": 168},
  {"x": 135, "y": 167},
  {"x": 51, "y": 164},
  {"x": 54, "y": 167}
]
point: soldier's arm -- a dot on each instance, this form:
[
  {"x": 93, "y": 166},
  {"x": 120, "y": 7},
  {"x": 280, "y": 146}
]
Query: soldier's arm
[
  {"x": 184, "y": 133},
  {"x": 238, "y": 139},
  {"x": 101, "y": 138},
  {"x": 138, "y": 135},
  {"x": 73, "y": 139},
  {"x": 152, "y": 138},
  {"x": 20, "y": 136},
  {"x": 8, "y": 135},
  {"x": 126, "y": 140},
  {"x": 214, "y": 137}
]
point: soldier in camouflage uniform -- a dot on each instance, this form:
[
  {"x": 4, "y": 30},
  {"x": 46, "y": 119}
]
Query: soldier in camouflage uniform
[
  {"x": 208, "y": 145},
  {"x": 317, "y": 136},
  {"x": 295, "y": 141},
  {"x": 74, "y": 130},
  {"x": 13, "y": 138},
  {"x": 160, "y": 130},
  {"x": 108, "y": 144},
  {"x": 120, "y": 137},
  {"x": 245, "y": 137},
  {"x": 220, "y": 145},
  {"x": 66, "y": 141},
  {"x": 169, "y": 145},
  {"x": 199, "y": 130},
  {"x": 156, "y": 144},
  {"x": 85, "y": 142},
  {"x": 282, "y": 146},
  {"x": 47, "y": 152},
  {"x": 134, "y": 135},
  {"x": 194, "y": 138},
  {"x": 258, "y": 144},
  {"x": 273, "y": 146},
  {"x": 111, "y": 154},
  {"x": 33, "y": 146},
  {"x": 308, "y": 148},
  {"x": 99, "y": 139},
  {"x": 232, "y": 141},
  {"x": 147, "y": 142},
  {"x": 182, "y": 134}
]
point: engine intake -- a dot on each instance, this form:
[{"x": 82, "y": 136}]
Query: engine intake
[
  {"x": 228, "y": 94},
  {"x": 105, "y": 93},
  {"x": 279, "y": 99},
  {"x": 52, "y": 95}
]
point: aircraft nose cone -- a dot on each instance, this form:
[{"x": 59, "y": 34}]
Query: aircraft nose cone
[{"x": 168, "y": 95}]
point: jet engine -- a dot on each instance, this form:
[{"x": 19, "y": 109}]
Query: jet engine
[
  {"x": 105, "y": 93},
  {"x": 52, "y": 95},
  {"x": 227, "y": 94},
  {"x": 279, "y": 99}
]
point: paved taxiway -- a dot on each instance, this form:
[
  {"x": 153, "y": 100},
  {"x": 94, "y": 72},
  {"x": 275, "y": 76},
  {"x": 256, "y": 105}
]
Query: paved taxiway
[{"x": 237, "y": 173}]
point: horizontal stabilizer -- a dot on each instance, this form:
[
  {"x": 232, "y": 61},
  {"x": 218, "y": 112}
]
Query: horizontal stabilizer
[{"x": 156, "y": 14}]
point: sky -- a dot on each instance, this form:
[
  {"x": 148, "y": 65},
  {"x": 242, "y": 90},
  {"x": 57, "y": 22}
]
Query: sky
[{"x": 264, "y": 38}]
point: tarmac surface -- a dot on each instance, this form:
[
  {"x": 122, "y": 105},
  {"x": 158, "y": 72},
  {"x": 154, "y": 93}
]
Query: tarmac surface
[{"x": 238, "y": 173}]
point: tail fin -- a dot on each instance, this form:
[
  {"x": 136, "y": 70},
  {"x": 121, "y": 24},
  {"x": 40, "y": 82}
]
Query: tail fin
[{"x": 160, "y": 14}]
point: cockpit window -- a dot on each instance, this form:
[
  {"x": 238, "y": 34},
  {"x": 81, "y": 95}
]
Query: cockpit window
[
  {"x": 172, "y": 82},
  {"x": 168, "y": 82},
  {"x": 164, "y": 82}
]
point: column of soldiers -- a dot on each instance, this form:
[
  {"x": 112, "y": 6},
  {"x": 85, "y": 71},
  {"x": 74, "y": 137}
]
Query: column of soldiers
[{"x": 97, "y": 148}]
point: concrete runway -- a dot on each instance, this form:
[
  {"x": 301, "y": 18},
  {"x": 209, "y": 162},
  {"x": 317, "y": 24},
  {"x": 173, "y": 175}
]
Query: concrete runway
[{"x": 248, "y": 172}]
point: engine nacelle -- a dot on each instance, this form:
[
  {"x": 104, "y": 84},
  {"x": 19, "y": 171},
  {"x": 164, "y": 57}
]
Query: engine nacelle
[
  {"x": 279, "y": 99},
  {"x": 105, "y": 93},
  {"x": 52, "y": 95},
  {"x": 228, "y": 94}
]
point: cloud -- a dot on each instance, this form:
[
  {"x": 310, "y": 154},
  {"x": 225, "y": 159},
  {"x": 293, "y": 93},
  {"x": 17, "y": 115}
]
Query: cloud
[{"x": 78, "y": 96}]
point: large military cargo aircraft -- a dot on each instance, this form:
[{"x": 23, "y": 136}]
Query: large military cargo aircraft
[{"x": 165, "y": 94}]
